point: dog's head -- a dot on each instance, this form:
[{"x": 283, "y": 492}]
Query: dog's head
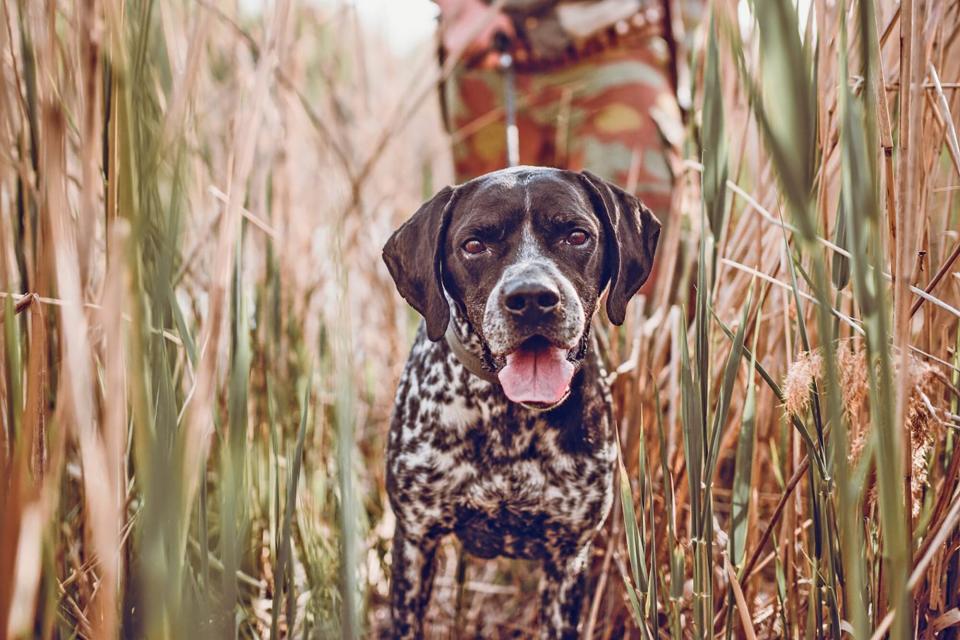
[{"x": 525, "y": 253}]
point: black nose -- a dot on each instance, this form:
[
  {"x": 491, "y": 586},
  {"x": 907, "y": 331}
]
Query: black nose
[{"x": 530, "y": 299}]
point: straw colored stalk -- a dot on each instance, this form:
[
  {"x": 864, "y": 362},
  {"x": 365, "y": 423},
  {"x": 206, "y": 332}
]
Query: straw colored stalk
[
  {"x": 77, "y": 391},
  {"x": 111, "y": 518},
  {"x": 89, "y": 32},
  {"x": 908, "y": 227}
]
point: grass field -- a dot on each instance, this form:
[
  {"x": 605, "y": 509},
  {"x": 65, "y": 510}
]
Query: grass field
[{"x": 199, "y": 343}]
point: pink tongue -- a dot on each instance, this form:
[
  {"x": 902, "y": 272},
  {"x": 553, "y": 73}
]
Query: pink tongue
[{"x": 541, "y": 375}]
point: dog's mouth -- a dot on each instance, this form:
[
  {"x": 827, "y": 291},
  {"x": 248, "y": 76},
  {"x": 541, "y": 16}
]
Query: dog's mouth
[{"x": 537, "y": 373}]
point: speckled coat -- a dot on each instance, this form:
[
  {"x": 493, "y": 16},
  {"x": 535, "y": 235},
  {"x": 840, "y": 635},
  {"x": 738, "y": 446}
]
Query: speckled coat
[{"x": 505, "y": 479}]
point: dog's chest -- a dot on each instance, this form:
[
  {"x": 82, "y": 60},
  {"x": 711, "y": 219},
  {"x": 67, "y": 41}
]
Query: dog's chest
[
  {"x": 462, "y": 458},
  {"x": 526, "y": 496}
]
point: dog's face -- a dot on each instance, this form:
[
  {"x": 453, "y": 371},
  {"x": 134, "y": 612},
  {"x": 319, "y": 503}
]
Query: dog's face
[{"x": 525, "y": 254}]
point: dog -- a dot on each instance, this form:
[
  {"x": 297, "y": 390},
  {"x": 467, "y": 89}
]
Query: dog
[{"x": 503, "y": 430}]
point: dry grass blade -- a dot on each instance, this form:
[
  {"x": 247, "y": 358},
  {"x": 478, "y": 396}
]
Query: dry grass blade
[{"x": 745, "y": 619}]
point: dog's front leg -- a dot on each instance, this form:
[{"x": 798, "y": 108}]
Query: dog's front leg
[
  {"x": 411, "y": 582},
  {"x": 561, "y": 595}
]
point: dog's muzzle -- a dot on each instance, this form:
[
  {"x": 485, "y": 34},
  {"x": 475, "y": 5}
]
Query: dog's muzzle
[{"x": 532, "y": 321}]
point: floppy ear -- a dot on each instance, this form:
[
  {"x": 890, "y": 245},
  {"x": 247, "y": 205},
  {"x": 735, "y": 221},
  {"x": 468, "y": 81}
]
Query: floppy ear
[
  {"x": 632, "y": 232},
  {"x": 413, "y": 255}
]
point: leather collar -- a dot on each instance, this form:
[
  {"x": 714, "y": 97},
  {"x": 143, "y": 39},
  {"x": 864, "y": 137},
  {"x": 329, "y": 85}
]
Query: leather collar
[{"x": 472, "y": 363}]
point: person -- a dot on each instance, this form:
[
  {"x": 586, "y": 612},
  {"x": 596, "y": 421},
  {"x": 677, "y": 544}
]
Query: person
[{"x": 594, "y": 89}]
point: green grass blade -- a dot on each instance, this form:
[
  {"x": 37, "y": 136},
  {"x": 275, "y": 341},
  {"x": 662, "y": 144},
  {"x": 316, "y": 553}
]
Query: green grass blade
[
  {"x": 672, "y": 595},
  {"x": 690, "y": 416},
  {"x": 631, "y": 529},
  {"x": 632, "y": 583},
  {"x": 743, "y": 470},
  {"x": 714, "y": 138},
  {"x": 284, "y": 574},
  {"x": 726, "y": 388}
]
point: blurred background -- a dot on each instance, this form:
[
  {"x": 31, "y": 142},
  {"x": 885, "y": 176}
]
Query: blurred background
[{"x": 199, "y": 344}]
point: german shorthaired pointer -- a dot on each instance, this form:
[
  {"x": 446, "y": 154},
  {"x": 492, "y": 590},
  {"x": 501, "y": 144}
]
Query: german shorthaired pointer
[{"x": 503, "y": 431}]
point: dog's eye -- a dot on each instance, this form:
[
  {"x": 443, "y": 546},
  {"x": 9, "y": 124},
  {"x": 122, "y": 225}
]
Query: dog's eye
[
  {"x": 577, "y": 238},
  {"x": 474, "y": 246}
]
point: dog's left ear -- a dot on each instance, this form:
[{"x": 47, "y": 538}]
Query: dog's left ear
[
  {"x": 414, "y": 254},
  {"x": 632, "y": 232}
]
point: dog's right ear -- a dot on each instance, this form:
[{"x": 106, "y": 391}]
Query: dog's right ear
[
  {"x": 414, "y": 254},
  {"x": 632, "y": 233}
]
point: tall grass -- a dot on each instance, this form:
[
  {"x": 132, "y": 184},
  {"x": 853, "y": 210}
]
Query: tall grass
[
  {"x": 199, "y": 347},
  {"x": 852, "y": 574}
]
